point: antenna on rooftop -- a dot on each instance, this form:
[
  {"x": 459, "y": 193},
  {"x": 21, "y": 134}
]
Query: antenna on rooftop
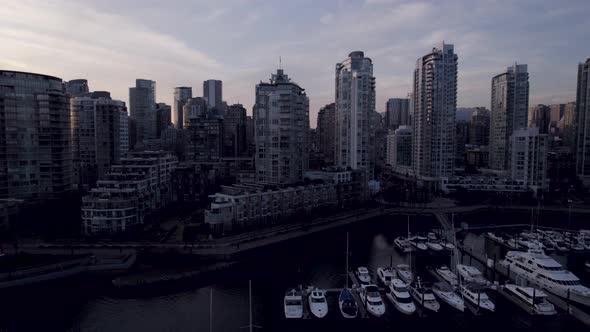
[{"x": 280, "y": 62}]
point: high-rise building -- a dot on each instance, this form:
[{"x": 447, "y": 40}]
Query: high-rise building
[
  {"x": 281, "y": 125},
  {"x": 528, "y": 161},
  {"x": 203, "y": 132},
  {"x": 326, "y": 125},
  {"x": 479, "y": 132},
  {"x": 142, "y": 108},
  {"x": 435, "y": 105},
  {"x": 399, "y": 148},
  {"x": 540, "y": 117},
  {"x": 163, "y": 117},
  {"x": 250, "y": 142},
  {"x": 100, "y": 135},
  {"x": 397, "y": 113},
  {"x": 583, "y": 122},
  {"x": 461, "y": 139},
  {"x": 76, "y": 87},
  {"x": 234, "y": 131},
  {"x": 557, "y": 111},
  {"x": 213, "y": 93},
  {"x": 35, "y": 137},
  {"x": 181, "y": 95},
  {"x": 510, "y": 103},
  {"x": 355, "y": 104},
  {"x": 567, "y": 125}
]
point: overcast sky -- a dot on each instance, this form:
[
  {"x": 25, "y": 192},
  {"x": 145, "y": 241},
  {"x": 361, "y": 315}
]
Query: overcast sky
[{"x": 182, "y": 43}]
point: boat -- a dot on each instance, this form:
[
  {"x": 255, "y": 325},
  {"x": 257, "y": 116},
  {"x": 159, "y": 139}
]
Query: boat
[
  {"x": 371, "y": 299},
  {"x": 317, "y": 303},
  {"x": 477, "y": 297},
  {"x": 400, "y": 297},
  {"x": 548, "y": 245},
  {"x": 424, "y": 296},
  {"x": 529, "y": 244},
  {"x": 470, "y": 274},
  {"x": 434, "y": 246},
  {"x": 346, "y": 301},
  {"x": 530, "y": 299},
  {"x": 404, "y": 272},
  {"x": 431, "y": 236},
  {"x": 293, "y": 304},
  {"x": 447, "y": 275},
  {"x": 546, "y": 273},
  {"x": 347, "y": 304},
  {"x": 445, "y": 293},
  {"x": 363, "y": 274},
  {"x": 559, "y": 244},
  {"x": 402, "y": 244},
  {"x": 417, "y": 243},
  {"x": 385, "y": 275},
  {"x": 447, "y": 245}
]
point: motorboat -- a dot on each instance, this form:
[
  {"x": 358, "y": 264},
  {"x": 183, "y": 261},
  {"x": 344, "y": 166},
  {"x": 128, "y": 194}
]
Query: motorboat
[
  {"x": 471, "y": 274},
  {"x": 402, "y": 244},
  {"x": 546, "y": 273},
  {"x": 317, "y": 303},
  {"x": 530, "y": 299},
  {"x": 445, "y": 293},
  {"x": 363, "y": 274},
  {"x": 476, "y": 296},
  {"x": 347, "y": 304},
  {"x": 547, "y": 245},
  {"x": 529, "y": 235},
  {"x": 293, "y": 304},
  {"x": 424, "y": 296},
  {"x": 434, "y": 246},
  {"x": 431, "y": 236},
  {"x": 417, "y": 243},
  {"x": 404, "y": 272},
  {"x": 399, "y": 296},
  {"x": 573, "y": 244},
  {"x": 559, "y": 244},
  {"x": 371, "y": 299},
  {"x": 385, "y": 275},
  {"x": 447, "y": 245},
  {"x": 529, "y": 244},
  {"x": 447, "y": 275}
]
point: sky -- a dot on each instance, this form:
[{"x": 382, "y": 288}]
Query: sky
[{"x": 183, "y": 43}]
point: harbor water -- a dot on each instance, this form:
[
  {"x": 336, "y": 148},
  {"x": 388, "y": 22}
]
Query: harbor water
[{"x": 82, "y": 304}]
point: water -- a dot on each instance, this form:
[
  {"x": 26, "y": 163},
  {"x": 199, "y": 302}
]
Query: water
[{"x": 317, "y": 260}]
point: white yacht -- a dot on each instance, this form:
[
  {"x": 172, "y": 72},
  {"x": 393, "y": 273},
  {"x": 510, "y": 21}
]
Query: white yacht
[
  {"x": 399, "y": 296},
  {"x": 471, "y": 274},
  {"x": 418, "y": 243},
  {"x": 475, "y": 295},
  {"x": 446, "y": 294},
  {"x": 423, "y": 296},
  {"x": 545, "y": 272},
  {"x": 293, "y": 304},
  {"x": 371, "y": 299},
  {"x": 404, "y": 272},
  {"x": 317, "y": 303},
  {"x": 434, "y": 246},
  {"x": 447, "y": 275},
  {"x": 587, "y": 265},
  {"x": 385, "y": 275},
  {"x": 402, "y": 244},
  {"x": 363, "y": 274},
  {"x": 527, "y": 244},
  {"x": 447, "y": 245},
  {"x": 347, "y": 304},
  {"x": 530, "y": 299}
]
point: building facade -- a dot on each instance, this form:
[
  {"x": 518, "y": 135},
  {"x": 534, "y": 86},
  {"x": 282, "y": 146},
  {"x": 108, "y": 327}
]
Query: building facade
[
  {"x": 281, "y": 125},
  {"x": 142, "y": 108},
  {"x": 163, "y": 118},
  {"x": 355, "y": 104},
  {"x": 528, "y": 161},
  {"x": 203, "y": 134},
  {"x": 138, "y": 185},
  {"x": 100, "y": 136},
  {"x": 479, "y": 130},
  {"x": 234, "y": 131},
  {"x": 510, "y": 103},
  {"x": 35, "y": 137},
  {"x": 399, "y": 149},
  {"x": 76, "y": 87},
  {"x": 540, "y": 117},
  {"x": 567, "y": 125},
  {"x": 435, "y": 105},
  {"x": 213, "y": 93},
  {"x": 583, "y": 122},
  {"x": 326, "y": 126},
  {"x": 181, "y": 95},
  {"x": 397, "y": 113}
]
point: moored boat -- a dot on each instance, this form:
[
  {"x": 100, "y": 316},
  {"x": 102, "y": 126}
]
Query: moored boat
[{"x": 445, "y": 293}]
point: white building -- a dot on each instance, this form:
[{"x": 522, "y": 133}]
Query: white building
[
  {"x": 528, "y": 161},
  {"x": 399, "y": 149},
  {"x": 435, "y": 105},
  {"x": 355, "y": 105},
  {"x": 281, "y": 119},
  {"x": 141, "y": 183}
]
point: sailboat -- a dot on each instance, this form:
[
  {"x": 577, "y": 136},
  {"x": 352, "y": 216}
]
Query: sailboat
[
  {"x": 404, "y": 271},
  {"x": 346, "y": 301},
  {"x": 251, "y": 325}
]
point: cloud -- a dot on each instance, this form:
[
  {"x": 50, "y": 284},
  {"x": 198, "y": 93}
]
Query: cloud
[{"x": 327, "y": 19}]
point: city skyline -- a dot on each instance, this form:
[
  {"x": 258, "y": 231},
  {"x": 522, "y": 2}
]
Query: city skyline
[{"x": 184, "y": 58}]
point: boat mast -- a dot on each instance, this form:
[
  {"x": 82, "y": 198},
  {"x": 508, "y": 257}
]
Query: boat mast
[
  {"x": 347, "y": 253},
  {"x": 250, "y": 303},
  {"x": 408, "y": 242},
  {"x": 211, "y": 309}
]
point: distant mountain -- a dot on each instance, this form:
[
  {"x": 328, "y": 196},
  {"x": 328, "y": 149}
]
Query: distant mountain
[{"x": 464, "y": 113}]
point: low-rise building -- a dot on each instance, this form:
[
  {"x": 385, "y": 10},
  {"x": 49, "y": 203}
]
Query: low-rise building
[
  {"x": 140, "y": 184},
  {"x": 482, "y": 183}
]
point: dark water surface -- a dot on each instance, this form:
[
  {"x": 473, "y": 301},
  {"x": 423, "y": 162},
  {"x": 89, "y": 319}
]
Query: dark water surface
[{"x": 319, "y": 260}]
